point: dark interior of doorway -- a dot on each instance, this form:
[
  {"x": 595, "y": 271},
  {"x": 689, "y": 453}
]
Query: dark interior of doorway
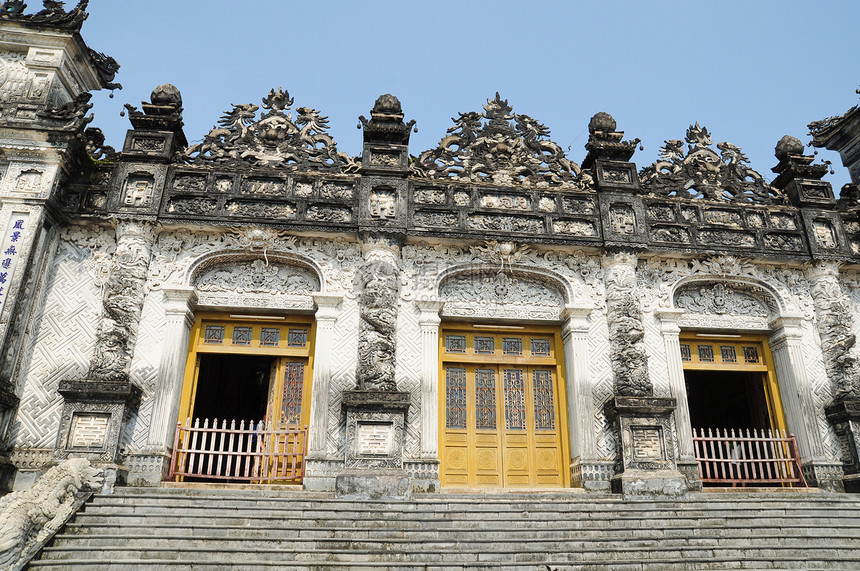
[
  {"x": 726, "y": 399},
  {"x": 232, "y": 387}
]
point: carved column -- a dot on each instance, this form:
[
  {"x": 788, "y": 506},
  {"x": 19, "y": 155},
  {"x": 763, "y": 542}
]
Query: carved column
[
  {"x": 835, "y": 327},
  {"x": 687, "y": 464},
  {"x": 318, "y": 473},
  {"x": 786, "y": 345},
  {"x": 586, "y": 470},
  {"x": 106, "y": 397},
  {"x": 376, "y": 410},
  {"x": 429, "y": 322},
  {"x": 326, "y": 316},
  {"x": 149, "y": 466},
  {"x": 642, "y": 422}
]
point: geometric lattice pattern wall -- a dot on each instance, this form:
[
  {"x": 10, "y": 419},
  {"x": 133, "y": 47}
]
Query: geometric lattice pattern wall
[
  {"x": 600, "y": 370},
  {"x": 343, "y": 366},
  {"x": 408, "y": 373},
  {"x": 62, "y": 345}
]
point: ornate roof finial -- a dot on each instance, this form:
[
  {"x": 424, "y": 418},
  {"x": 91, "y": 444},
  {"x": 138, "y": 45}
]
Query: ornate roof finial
[
  {"x": 505, "y": 149},
  {"x": 386, "y": 122},
  {"x": 275, "y": 140},
  {"x": 604, "y": 142},
  {"x": 702, "y": 173},
  {"x": 53, "y": 15}
]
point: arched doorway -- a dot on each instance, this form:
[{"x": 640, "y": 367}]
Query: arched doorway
[{"x": 502, "y": 399}]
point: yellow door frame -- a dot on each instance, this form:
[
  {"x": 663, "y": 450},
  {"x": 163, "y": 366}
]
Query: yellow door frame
[
  {"x": 499, "y": 362},
  {"x": 764, "y": 365},
  {"x": 286, "y": 349}
]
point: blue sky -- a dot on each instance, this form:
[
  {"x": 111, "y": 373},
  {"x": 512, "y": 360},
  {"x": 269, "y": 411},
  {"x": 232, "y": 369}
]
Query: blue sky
[{"x": 750, "y": 71}]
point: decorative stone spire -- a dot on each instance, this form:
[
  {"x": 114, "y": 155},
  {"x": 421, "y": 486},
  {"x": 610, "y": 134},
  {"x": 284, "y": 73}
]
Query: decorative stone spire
[
  {"x": 386, "y": 138},
  {"x": 162, "y": 113},
  {"x": 798, "y": 177},
  {"x": 604, "y": 142},
  {"x": 386, "y": 122}
]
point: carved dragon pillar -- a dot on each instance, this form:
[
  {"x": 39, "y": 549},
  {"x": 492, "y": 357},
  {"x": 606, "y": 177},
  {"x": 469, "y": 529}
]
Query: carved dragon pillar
[
  {"x": 642, "y": 422},
  {"x": 833, "y": 316},
  {"x": 100, "y": 404},
  {"x": 375, "y": 410}
]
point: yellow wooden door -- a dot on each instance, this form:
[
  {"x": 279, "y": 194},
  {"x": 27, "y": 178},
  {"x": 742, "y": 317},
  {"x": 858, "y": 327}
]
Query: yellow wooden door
[{"x": 501, "y": 424}]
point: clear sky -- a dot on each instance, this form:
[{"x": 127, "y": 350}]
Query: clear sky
[{"x": 749, "y": 71}]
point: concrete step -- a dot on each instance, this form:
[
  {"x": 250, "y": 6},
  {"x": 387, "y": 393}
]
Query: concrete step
[
  {"x": 501, "y": 552},
  {"x": 187, "y": 542},
  {"x": 608, "y": 532}
]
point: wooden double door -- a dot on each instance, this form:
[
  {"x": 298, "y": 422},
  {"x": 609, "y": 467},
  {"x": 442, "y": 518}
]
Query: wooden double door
[{"x": 503, "y": 421}]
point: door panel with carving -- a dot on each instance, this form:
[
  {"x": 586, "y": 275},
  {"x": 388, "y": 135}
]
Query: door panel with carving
[{"x": 502, "y": 415}]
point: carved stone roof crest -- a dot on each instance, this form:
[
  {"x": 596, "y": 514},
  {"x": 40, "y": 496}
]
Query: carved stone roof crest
[
  {"x": 822, "y": 130},
  {"x": 274, "y": 140},
  {"x": 701, "y": 172},
  {"x": 500, "y": 147},
  {"x": 53, "y": 14}
]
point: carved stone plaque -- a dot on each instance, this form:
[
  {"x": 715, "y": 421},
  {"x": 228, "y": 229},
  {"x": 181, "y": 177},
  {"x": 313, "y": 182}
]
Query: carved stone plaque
[
  {"x": 374, "y": 438},
  {"x": 648, "y": 443}
]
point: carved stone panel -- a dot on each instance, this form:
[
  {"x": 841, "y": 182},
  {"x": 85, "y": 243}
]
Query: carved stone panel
[
  {"x": 256, "y": 283},
  {"x": 724, "y": 305},
  {"x": 501, "y": 295}
]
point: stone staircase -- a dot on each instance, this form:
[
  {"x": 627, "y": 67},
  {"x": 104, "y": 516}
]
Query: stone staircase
[{"x": 182, "y": 528}]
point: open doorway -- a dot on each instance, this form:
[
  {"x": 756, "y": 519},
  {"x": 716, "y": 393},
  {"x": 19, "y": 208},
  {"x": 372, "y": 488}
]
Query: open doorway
[
  {"x": 233, "y": 387},
  {"x": 727, "y": 399}
]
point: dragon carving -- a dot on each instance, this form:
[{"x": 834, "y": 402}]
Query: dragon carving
[
  {"x": 507, "y": 148},
  {"x": 275, "y": 140},
  {"x": 702, "y": 173},
  {"x": 28, "y": 518}
]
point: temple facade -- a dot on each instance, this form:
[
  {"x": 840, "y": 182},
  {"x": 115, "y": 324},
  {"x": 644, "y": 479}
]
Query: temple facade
[{"x": 488, "y": 313}]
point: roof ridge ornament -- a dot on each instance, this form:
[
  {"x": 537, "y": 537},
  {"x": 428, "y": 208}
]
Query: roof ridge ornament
[
  {"x": 498, "y": 146},
  {"x": 53, "y": 14},
  {"x": 275, "y": 140},
  {"x": 701, "y": 172}
]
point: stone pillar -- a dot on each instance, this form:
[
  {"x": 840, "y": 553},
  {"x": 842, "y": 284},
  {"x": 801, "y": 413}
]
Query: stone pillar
[
  {"x": 429, "y": 322},
  {"x": 318, "y": 473},
  {"x": 835, "y": 327},
  {"x": 786, "y": 345},
  {"x": 687, "y": 464},
  {"x": 376, "y": 410},
  {"x": 586, "y": 470},
  {"x": 21, "y": 242},
  {"x": 326, "y": 316},
  {"x": 642, "y": 422},
  {"x": 149, "y": 466},
  {"x": 107, "y": 396}
]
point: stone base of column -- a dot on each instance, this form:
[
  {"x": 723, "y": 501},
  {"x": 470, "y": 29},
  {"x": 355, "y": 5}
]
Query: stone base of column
[
  {"x": 592, "y": 475},
  {"x": 690, "y": 470},
  {"x": 828, "y": 476},
  {"x": 844, "y": 417},
  {"x": 94, "y": 414},
  {"x": 643, "y": 426},
  {"x": 375, "y": 428},
  {"x": 424, "y": 475},
  {"x": 321, "y": 474},
  {"x": 148, "y": 468}
]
